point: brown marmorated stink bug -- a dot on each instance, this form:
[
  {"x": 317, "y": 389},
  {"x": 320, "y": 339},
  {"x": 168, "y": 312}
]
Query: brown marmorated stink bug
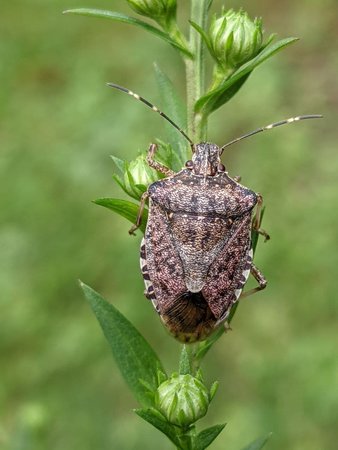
[{"x": 196, "y": 255}]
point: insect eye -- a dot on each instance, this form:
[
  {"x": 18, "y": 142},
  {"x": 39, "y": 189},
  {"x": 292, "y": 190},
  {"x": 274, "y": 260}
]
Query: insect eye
[
  {"x": 221, "y": 167},
  {"x": 189, "y": 164}
]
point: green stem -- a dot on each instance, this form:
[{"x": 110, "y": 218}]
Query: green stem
[
  {"x": 195, "y": 71},
  {"x": 187, "y": 438}
]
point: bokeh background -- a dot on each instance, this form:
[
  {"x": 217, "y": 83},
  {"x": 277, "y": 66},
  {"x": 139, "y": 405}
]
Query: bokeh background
[{"x": 278, "y": 368}]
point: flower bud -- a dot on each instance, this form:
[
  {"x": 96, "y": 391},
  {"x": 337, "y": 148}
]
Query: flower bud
[
  {"x": 182, "y": 399},
  {"x": 162, "y": 11},
  {"x": 137, "y": 173},
  {"x": 141, "y": 172},
  {"x": 234, "y": 39}
]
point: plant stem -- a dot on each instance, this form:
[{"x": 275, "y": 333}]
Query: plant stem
[
  {"x": 187, "y": 438},
  {"x": 195, "y": 71}
]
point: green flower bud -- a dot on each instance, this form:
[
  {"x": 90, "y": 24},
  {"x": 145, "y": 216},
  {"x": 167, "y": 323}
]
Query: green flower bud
[
  {"x": 182, "y": 399},
  {"x": 162, "y": 11},
  {"x": 234, "y": 39},
  {"x": 138, "y": 172},
  {"x": 141, "y": 172}
]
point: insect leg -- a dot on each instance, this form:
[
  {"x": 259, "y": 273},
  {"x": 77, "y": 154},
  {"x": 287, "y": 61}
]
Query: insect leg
[
  {"x": 237, "y": 178},
  {"x": 140, "y": 211},
  {"x": 259, "y": 277},
  {"x": 155, "y": 164},
  {"x": 256, "y": 223}
]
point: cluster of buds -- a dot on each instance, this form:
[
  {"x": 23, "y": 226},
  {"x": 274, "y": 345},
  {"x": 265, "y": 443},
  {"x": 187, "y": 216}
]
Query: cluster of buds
[{"x": 183, "y": 399}]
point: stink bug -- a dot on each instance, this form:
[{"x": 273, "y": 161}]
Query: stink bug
[{"x": 196, "y": 255}]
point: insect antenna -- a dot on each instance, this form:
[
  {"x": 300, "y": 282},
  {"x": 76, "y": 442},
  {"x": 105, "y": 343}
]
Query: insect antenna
[
  {"x": 151, "y": 106},
  {"x": 273, "y": 125}
]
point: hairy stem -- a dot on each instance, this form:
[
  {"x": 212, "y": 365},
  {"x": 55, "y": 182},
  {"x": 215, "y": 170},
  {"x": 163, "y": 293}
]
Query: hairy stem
[{"x": 195, "y": 71}]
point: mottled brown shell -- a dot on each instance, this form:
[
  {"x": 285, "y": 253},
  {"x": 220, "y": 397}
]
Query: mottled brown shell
[{"x": 196, "y": 255}]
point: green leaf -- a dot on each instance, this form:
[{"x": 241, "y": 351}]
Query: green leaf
[
  {"x": 168, "y": 156},
  {"x": 161, "y": 377},
  {"x": 134, "y": 356},
  {"x": 155, "y": 418},
  {"x": 258, "y": 443},
  {"x": 268, "y": 41},
  {"x": 121, "y": 184},
  {"x": 205, "y": 346},
  {"x": 174, "y": 107},
  {"x": 211, "y": 101},
  {"x": 203, "y": 33},
  {"x": 122, "y": 167},
  {"x": 130, "y": 185},
  {"x": 119, "y": 163},
  {"x": 141, "y": 187},
  {"x": 213, "y": 389},
  {"x": 119, "y": 17},
  {"x": 126, "y": 209},
  {"x": 230, "y": 92},
  {"x": 209, "y": 3},
  {"x": 207, "y": 436}
]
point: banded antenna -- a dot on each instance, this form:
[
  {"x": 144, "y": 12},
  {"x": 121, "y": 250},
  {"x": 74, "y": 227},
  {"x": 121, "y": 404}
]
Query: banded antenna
[
  {"x": 151, "y": 106},
  {"x": 273, "y": 125}
]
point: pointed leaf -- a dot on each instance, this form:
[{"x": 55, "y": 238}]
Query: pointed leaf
[
  {"x": 120, "y": 183},
  {"x": 155, "y": 418},
  {"x": 141, "y": 187},
  {"x": 210, "y": 103},
  {"x": 230, "y": 92},
  {"x": 174, "y": 107},
  {"x": 134, "y": 356},
  {"x": 258, "y": 443},
  {"x": 213, "y": 389},
  {"x": 161, "y": 377},
  {"x": 131, "y": 186},
  {"x": 205, "y": 346},
  {"x": 169, "y": 157},
  {"x": 204, "y": 34},
  {"x": 207, "y": 436},
  {"x": 126, "y": 209},
  {"x": 119, "y": 163},
  {"x": 122, "y": 167},
  {"x": 119, "y": 17},
  {"x": 268, "y": 41},
  {"x": 209, "y": 3},
  {"x": 173, "y": 103}
]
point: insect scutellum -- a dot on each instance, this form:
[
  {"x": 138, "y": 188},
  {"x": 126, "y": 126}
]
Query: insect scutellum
[{"x": 221, "y": 149}]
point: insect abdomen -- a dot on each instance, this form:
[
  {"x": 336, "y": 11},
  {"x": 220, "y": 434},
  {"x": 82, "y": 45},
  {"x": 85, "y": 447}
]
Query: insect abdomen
[{"x": 189, "y": 318}]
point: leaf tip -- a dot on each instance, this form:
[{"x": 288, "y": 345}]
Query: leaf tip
[{"x": 81, "y": 284}]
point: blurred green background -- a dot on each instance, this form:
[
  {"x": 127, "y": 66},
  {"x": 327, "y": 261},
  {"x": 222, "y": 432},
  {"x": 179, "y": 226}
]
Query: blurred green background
[{"x": 278, "y": 368}]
